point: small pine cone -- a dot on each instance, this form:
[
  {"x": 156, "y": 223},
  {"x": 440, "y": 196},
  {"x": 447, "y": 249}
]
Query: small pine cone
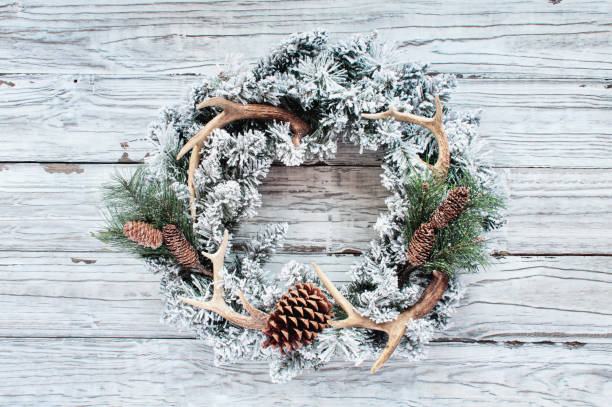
[
  {"x": 180, "y": 248},
  {"x": 299, "y": 317},
  {"x": 143, "y": 233},
  {"x": 421, "y": 244},
  {"x": 450, "y": 208}
]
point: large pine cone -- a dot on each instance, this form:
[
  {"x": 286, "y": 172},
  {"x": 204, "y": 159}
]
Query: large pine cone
[
  {"x": 143, "y": 233},
  {"x": 299, "y": 317},
  {"x": 421, "y": 244},
  {"x": 450, "y": 208},
  {"x": 181, "y": 249}
]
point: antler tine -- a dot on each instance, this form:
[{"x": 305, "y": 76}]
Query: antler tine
[
  {"x": 194, "y": 162},
  {"x": 395, "y": 329},
  {"x": 434, "y": 124},
  {"x": 217, "y": 259},
  {"x": 197, "y": 141},
  {"x": 217, "y": 304},
  {"x": 354, "y": 319},
  {"x": 231, "y": 112}
]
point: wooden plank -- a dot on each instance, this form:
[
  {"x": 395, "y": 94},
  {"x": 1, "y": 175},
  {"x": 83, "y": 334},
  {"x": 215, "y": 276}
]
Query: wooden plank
[
  {"x": 542, "y": 123},
  {"x": 102, "y": 118},
  {"x": 559, "y": 211},
  {"x": 93, "y": 294},
  {"x": 98, "y": 294},
  {"x": 181, "y": 372},
  {"x": 538, "y": 299},
  {"x": 516, "y": 38},
  {"x": 55, "y": 207},
  {"x": 95, "y": 119}
]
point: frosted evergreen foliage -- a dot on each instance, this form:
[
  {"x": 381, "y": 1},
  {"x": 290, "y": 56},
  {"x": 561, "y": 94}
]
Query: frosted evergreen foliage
[{"x": 329, "y": 86}]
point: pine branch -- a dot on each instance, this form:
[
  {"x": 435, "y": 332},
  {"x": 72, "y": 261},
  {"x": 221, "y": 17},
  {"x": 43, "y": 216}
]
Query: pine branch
[
  {"x": 139, "y": 198},
  {"x": 458, "y": 246}
]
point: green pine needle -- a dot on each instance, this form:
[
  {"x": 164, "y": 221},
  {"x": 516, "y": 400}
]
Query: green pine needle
[
  {"x": 459, "y": 246},
  {"x": 140, "y": 198}
]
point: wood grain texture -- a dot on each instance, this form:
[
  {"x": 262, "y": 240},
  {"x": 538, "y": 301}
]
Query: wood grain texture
[
  {"x": 516, "y": 38},
  {"x": 81, "y": 80},
  {"x": 56, "y": 207},
  {"x": 181, "y": 372},
  {"x": 97, "y": 294},
  {"x": 102, "y": 119}
]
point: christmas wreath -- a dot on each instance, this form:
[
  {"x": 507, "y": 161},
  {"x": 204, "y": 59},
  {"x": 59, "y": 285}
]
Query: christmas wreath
[{"x": 293, "y": 105}]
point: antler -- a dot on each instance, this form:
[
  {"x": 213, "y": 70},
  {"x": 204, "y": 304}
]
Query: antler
[
  {"x": 434, "y": 124},
  {"x": 395, "y": 329},
  {"x": 257, "y": 320},
  {"x": 231, "y": 112}
]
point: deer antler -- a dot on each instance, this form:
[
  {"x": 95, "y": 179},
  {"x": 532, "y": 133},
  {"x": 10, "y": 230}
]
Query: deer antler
[
  {"x": 395, "y": 329},
  {"x": 434, "y": 124},
  {"x": 231, "y": 112},
  {"x": 257, "y": 320}
]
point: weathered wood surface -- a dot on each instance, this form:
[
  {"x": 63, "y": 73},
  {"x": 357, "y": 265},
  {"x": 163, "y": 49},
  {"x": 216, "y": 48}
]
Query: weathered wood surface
[
  {"x": 517, "y": 38},
  {"x": 102, "y": 118},
  {"x": 163, "y": 372},
  {"x": 80, "y": 81},
  {"x": 330, "y": 209},
  {"x": 99, "y": 294}
]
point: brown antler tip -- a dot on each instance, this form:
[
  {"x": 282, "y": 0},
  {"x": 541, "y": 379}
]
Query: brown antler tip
[
  {"x": 217, "y": 101},
  {"x": 234, "y": 111},
  {"x": 433, "y": 124},
  {"x": 256, "y": 318},
  {"x": 394, "y": 329}
]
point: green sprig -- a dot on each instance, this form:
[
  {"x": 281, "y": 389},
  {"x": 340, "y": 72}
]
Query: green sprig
[
  {"x": 459, "y": 246},
  {"x": 141, "y": 198}
]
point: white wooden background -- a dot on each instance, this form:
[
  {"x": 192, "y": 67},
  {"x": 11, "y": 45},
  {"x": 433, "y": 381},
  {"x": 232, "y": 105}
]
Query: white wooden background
[{"x": 80, "y": 80}]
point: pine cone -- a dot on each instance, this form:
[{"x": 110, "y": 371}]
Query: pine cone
[
  {"x": 450, "y": 208},
  {"x": 181, "y": 249},
  {"x": 421, "y": 244},
  {"x": 143, "y": 233},
  {"x": 299, "y": 317}
]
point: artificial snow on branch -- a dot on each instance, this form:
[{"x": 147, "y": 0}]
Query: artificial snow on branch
[{"x": 295, "y": 104}]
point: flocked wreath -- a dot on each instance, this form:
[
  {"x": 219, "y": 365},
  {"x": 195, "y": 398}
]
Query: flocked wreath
[{"x": 294, "y": 105}]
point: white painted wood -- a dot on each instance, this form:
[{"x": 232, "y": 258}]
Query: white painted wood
[
  {"x": 181, "y": 372},
  {"x": 330, "y": 209},
  {"x": 93, "y": 294},
  {"x": 79, "y": 82},
  {"x": 98, "y": 294},
  {"x": 104, "y": 118},
  {"x": 538, "y": 299},
  {"x": 517, "y": 38}
]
